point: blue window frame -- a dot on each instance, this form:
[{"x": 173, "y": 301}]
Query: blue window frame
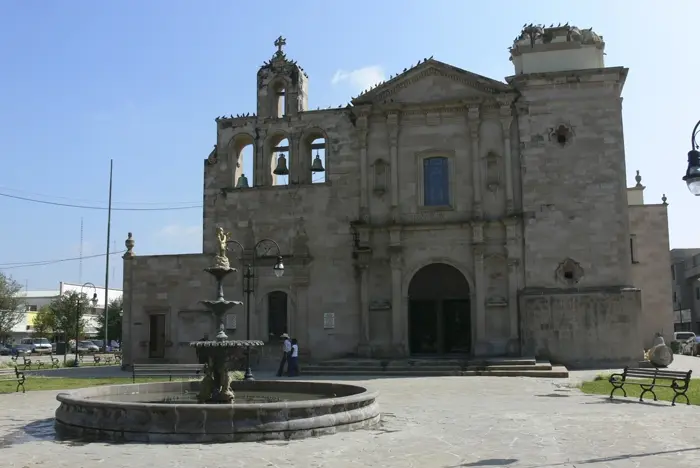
[{"x": 436, "y": 182}]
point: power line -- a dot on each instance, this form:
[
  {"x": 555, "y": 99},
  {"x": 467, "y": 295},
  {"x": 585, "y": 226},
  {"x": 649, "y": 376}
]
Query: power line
[
  {"x": 43, "y": 195},
  {"x": 88, "y": 207},
  {"x": 13, "y": 265}
]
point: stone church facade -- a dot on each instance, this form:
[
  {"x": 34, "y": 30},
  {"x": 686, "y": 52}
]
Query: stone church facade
[{"x": 456, "y": 214}]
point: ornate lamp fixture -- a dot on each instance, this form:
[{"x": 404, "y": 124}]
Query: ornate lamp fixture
[{"x": 692, "y": 174}]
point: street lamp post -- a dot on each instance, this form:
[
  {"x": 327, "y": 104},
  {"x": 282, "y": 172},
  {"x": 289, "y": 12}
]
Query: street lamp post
[
  {"x": 248, "y": 277},
  {"x": 77, "y": 316},
  {"x": 692, "y": 174}
]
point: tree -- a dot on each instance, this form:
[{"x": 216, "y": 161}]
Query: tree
[
  {"x": 63, "y": 312},
  {"x": 11, "y": 302},
  {"x": 114, "y": 320},
  {"x": 44, "y": 322}
]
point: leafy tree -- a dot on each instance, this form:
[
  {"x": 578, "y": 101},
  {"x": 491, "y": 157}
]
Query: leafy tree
[
  {"x": 44, "y": 322},
  {"x": 11, "y": 302},
  {"x": 114, "y": 321},
  {"x": 65, "y": 310}
]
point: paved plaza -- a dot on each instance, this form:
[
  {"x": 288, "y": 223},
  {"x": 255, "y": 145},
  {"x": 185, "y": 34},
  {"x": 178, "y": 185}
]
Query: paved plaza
[{"x": 427, "y": 422}]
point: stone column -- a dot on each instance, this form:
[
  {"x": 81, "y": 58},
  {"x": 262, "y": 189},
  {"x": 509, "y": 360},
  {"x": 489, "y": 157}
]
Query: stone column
[
  {"x": 128, "y": 343},
  {"x": 511, "y": 225},
  {"x": 362, "y": 130},
  {"x": 392, "y": 122},
  {"x": 300, "y": 170},
  {"x": 479, "y": 294},
  {"x": 397, "y": 331},
  {"x": 506, "y": 121},
  {"x": 362, "y": 272},
  {"x": 260, "y": 174},
  {"x": 474, "y": 124}
]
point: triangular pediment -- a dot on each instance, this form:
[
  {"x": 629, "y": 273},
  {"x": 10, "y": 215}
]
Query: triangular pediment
[{"x": 432, "y": 81}]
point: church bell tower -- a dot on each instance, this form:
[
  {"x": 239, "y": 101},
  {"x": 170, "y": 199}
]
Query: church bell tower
[{"x": 282, "y": 86}]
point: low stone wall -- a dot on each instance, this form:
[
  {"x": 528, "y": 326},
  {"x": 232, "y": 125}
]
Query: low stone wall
[{"x": 93, "y": 413}]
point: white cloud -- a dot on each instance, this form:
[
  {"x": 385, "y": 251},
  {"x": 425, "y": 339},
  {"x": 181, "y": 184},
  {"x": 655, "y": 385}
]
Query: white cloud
[{"x": 360, "y": 79}]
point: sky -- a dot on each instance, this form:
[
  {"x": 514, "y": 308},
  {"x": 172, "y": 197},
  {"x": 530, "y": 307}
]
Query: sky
[{"x": 140, "y": 83}]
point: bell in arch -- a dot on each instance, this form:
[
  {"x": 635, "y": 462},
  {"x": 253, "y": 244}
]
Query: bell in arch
[
  {"x": 242, "y": 182},
  {"x": 317, "y": 165},
  {"x": 281, "y": 168}
]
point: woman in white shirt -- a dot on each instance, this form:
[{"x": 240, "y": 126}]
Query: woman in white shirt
[{"x": 294, "y": 359}]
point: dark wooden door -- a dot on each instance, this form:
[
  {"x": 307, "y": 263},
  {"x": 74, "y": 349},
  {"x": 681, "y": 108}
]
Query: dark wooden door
[{"x": 156, "y": 348}]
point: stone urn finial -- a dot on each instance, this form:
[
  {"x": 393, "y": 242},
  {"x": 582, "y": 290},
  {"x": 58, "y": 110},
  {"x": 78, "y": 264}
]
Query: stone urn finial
[
  {"x": 638, "y": 179},
  {"x": 129, "y": 243}
]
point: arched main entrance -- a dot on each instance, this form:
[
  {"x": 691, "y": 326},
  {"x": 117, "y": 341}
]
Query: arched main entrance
[{"x": 439, "y": 320}]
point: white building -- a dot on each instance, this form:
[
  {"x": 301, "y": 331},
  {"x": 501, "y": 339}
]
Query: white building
[{"x": 35, "y": 300}]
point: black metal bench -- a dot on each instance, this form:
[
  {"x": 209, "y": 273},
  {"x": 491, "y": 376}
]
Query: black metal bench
[
  {"x": 104, "y": 358},
  {"x": 165, "y": 370},
  {"x": 26, "y": 362},
  {"x": 55, "y": 363},
  {"x": 680, "y": 381},
  {"x": 13, "y": 375}
]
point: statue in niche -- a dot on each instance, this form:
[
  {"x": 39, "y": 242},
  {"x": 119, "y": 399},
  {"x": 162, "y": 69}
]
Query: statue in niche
[
  {"x": 381, "y": 171},
  {"x": 493, "y": 173}
]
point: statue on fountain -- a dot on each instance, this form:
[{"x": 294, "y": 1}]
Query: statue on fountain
[{"x": 221, "y": 258}]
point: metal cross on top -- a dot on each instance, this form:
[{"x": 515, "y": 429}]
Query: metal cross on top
[{"x": 279, "y": 43}]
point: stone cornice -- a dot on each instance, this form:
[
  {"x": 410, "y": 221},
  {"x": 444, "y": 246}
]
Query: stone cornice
[
  {"x": 480, "y": 84},
  {"x": 579, "y": 77}
]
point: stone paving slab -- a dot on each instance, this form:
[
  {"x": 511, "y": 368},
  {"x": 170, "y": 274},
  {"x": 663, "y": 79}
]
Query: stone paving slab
[{"x": 428, "y": 422}]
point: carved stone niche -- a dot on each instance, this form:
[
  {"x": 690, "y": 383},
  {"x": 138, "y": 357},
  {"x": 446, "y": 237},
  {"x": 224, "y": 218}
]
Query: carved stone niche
[
  {"x": 381, "y": 177},
  {"x": 561, "y": 134},
  {"x": 569, "y": 272},
  {"x": 493, "y": 171}
]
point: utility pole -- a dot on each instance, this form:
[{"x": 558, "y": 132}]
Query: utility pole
[{"x": 109, "y": 229}]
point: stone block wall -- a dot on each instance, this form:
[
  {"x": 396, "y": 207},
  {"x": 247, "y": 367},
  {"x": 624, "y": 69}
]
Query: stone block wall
[
  {"x": 651, "y": 272},
  {"x": 594, "y": 328}
]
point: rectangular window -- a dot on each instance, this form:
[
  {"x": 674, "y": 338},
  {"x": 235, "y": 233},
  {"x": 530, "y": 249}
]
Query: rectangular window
[
  {"x": 633, "y": 248},
  {"x": 674, "y": 297},
  {"x": 436, "y": 182},
  {"x": 673, "y": 272},
  {"x": 697, "y": 293}
]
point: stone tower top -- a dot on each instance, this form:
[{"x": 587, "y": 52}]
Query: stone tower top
[
  {"x": 282, "y": 85},
  {"x": 541, "y": 49}
]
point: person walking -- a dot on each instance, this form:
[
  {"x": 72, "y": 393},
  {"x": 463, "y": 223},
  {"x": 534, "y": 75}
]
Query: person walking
[
  {"x": 294, "y": 359},
  {"x": 286, "y": 351}
]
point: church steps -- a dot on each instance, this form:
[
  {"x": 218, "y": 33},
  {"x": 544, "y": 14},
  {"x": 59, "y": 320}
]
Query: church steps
[{"x": 497, "y": 367}]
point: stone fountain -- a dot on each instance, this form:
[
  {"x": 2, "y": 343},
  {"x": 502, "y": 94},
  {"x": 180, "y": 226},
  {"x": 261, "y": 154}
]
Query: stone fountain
[
  {"x": 194, "y": 411},
  {"x": 215, "y": 354}
]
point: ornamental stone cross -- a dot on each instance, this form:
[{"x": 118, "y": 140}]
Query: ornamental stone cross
[{"x": 279, "y": 43}]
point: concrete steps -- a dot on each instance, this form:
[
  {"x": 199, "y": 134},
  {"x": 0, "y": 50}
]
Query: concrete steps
[{"x": 434, "y": 367}]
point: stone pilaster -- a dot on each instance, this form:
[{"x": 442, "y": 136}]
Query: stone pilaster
[
  {"x": 513, "y": 250},
  {"x": 128, "y": 343},
  {"x": 474, "y": 124},
  {"x": 300, "y": 164},
  {"x": 301, "y": 324},
  {"x": 506, "y": 121},
  {"x": 260, "y": 171},
  {"x": 362, "y": 130},
  {"x": 397, "y": 328},
  {"x": 479, "y": 295},
  {"x": 392, "y": 122}
]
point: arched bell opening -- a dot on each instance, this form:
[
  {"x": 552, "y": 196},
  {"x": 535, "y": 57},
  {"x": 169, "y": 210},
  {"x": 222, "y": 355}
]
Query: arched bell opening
[
  {"x": 279, "y": 99},
  {"x": 313, "y": 150},
  {"x": 439, "y": 311},
  {"x": 280, "y": 159},
  {"x": 242, "y": 160}
]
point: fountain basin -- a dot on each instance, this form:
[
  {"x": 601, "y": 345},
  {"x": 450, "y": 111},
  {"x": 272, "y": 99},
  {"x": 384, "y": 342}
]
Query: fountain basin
[{"x": 307, "y": 409}]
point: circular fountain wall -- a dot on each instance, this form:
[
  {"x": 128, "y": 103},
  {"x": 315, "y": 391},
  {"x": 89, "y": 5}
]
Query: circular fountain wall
[{"x": 168, "y": 412}]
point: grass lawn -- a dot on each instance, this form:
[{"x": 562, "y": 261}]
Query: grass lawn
[
  {"x": 601, "y": 386},
  {"x": 61, "y": 383}
]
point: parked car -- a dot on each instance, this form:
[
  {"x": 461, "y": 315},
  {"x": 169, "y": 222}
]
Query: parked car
[
  {"x": 21, "y": 350},
  {"x": 86, "y": 347},
  {"x": 38, "y": 345},
  {"x": 113, "y": 346},
  {"x": 5, "y": 350},
  {"x": 687, "y": 342}
]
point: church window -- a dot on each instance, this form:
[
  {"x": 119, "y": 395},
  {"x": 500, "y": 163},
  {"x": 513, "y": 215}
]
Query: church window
[
  {"x": 633, "y": 248},
  {"x": 279, "y": 100},
  {"x": 312, "y": 150},
  {"x": 436, "y": 183},
  {"x": 276, "y": 314},
  {"x": 242, "y": 161}
]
